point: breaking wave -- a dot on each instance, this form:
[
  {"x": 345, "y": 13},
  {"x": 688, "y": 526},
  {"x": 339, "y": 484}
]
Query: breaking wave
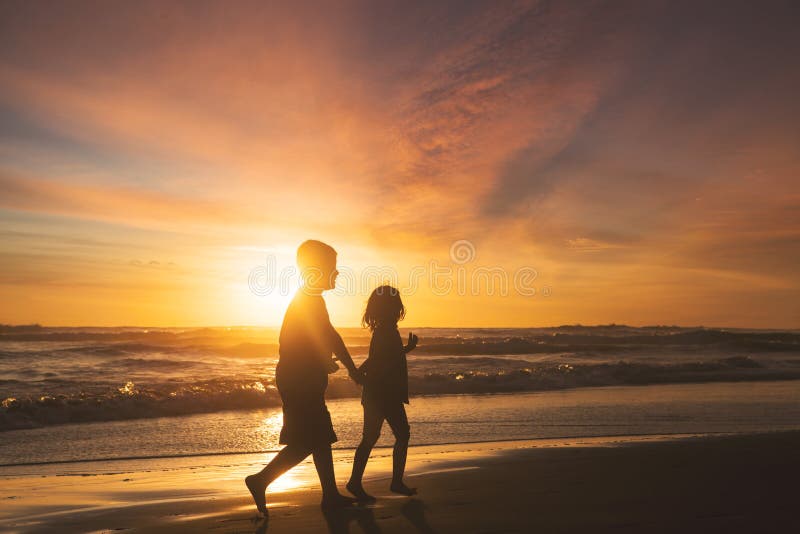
[
  {"x": 132, "y": 401},
  {"x": 73, "y": 375}
]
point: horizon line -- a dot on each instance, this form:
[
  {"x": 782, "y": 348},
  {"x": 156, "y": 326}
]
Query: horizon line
[{"x": 245, "y": 326}]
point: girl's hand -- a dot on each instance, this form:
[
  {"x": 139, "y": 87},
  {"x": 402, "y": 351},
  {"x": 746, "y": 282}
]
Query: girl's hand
[
  {"x": 412, "y": 342},
  {"x": 358, "y": 376}
]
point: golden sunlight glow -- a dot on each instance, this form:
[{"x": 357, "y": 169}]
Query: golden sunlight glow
[
  {"x": 294, "y": 478},
  {"x": 143, "y": 187}
]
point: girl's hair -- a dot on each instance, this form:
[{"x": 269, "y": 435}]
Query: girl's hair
[{"x": 384, "y": 307}]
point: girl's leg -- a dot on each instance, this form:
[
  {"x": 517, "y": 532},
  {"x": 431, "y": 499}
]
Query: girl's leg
[
  {"x": 287, "y": 458},
  {"x": 373, "y": 420},
  {"x": 397, "y": 419}
]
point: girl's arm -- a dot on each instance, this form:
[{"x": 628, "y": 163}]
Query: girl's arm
[
  {"x": 364, "y": 367},
  {"x": 412, "y": 343}
]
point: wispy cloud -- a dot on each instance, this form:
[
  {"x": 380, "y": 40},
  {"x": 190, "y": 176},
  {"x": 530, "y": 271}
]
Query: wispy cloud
[{"x": 599, "y": 140}]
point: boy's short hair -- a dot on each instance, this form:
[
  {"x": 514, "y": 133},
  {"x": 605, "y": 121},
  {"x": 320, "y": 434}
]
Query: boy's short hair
[{"x": 313, "y": 253}]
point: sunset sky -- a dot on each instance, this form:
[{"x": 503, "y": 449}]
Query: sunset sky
[{"x": 642, "y": 157}]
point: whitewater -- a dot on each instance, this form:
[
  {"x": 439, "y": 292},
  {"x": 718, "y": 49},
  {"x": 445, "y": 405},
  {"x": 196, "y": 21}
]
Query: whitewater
[{"x": 73, "y": 394}]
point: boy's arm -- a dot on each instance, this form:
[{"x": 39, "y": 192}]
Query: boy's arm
[
  {"x": 343, "y": 355},
  {"x": 336, "y": 345}
]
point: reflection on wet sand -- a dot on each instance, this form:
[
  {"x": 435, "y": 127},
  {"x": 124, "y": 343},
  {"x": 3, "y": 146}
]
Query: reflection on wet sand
[{"x": 339, "y": 520}]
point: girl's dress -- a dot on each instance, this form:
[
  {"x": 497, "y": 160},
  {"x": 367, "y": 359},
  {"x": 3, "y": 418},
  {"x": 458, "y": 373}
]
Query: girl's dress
[{"x": 386, "y": 385}]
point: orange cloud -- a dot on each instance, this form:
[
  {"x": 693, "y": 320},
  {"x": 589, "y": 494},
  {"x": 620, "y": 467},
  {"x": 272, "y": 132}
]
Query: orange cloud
[{"x": 620, "y": 157}]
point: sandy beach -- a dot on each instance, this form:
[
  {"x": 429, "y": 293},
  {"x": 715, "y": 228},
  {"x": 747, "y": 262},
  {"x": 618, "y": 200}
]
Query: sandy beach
[{"x": 679, "y": 483}]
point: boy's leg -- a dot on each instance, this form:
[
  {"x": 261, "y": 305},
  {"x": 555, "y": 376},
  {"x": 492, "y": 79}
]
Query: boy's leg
[
  {"x": 398, "y": 421},
  {"x": 373, "y": 420},
  {"x": 323, "y": 461},
  {"x": 287, "y": 458}
]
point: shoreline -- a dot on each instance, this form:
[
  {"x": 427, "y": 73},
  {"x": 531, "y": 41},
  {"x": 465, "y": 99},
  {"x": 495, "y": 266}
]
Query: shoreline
[
  {"x": 721, "y": 380},
  {"x": 202, "y": 495},
  {"x": 452, "y": 419},
  {"x": 454, "y": 444}
]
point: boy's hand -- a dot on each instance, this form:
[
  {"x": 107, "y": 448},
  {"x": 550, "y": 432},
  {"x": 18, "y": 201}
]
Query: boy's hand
[
  {"x": 412, "y": 342},
  {"x": 332, "y": 366},
  {"x": 358, "y": 376}
]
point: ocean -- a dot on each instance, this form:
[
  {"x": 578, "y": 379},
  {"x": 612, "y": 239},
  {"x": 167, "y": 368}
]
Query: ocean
[{"x": 87, "y": 394}]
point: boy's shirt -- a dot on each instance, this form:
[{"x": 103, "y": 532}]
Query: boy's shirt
[{"x": 306, "y": 337}]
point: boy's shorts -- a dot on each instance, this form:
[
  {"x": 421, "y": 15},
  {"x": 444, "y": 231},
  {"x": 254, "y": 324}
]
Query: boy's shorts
[{"x": 306, "y": 420}]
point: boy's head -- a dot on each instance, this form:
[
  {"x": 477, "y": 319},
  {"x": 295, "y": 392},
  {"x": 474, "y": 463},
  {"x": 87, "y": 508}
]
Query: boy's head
[{"x": 317, "y": 263}]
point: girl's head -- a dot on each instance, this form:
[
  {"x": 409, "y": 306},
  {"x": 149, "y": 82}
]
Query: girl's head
[{"x": 384, "y": 308}]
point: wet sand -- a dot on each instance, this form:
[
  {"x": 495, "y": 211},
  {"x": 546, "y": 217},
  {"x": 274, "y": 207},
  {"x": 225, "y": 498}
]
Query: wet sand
[{"x": 744, "y": 483}]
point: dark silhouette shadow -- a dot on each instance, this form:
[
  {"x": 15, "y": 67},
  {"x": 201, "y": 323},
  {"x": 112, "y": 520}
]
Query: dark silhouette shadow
[
  {"x": 306, "y": 341},
  {"x": 339, "y": 520},
  {"x": 385, "y": 389},
  {"x": 414, "y": 511},
  {"x": 305, "y": 344}
]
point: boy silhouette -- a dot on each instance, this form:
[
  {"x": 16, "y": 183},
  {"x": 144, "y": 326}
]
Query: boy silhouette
[{"x": 306, "y": 342}]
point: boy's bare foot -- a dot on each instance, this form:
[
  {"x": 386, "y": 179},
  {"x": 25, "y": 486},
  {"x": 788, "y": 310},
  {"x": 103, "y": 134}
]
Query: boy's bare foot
[
  {"x": 402, "y": 489},
  {"x": 257, "y": 491},
  {"x": 358, "y": 491},
  {"x": 337, "y": 501}
]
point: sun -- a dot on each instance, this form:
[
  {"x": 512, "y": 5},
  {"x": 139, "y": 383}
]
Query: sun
[{"x": 264, "y": 288}]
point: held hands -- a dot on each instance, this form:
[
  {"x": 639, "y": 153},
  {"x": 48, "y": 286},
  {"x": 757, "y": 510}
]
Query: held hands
[
  {"x": 412, "y": 342},
  {"x": 358, "y": 376}
]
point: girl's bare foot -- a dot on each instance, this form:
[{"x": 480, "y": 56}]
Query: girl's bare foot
[
  {"x": 337, "y": 501},
  {"x": 257, "y": 491},
  {"x": 358, "y": 491},
  {"x": 402, "y": 489}
]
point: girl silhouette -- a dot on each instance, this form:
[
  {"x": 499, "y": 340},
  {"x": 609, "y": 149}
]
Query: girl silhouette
[{"x": 385, "y": 389}]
